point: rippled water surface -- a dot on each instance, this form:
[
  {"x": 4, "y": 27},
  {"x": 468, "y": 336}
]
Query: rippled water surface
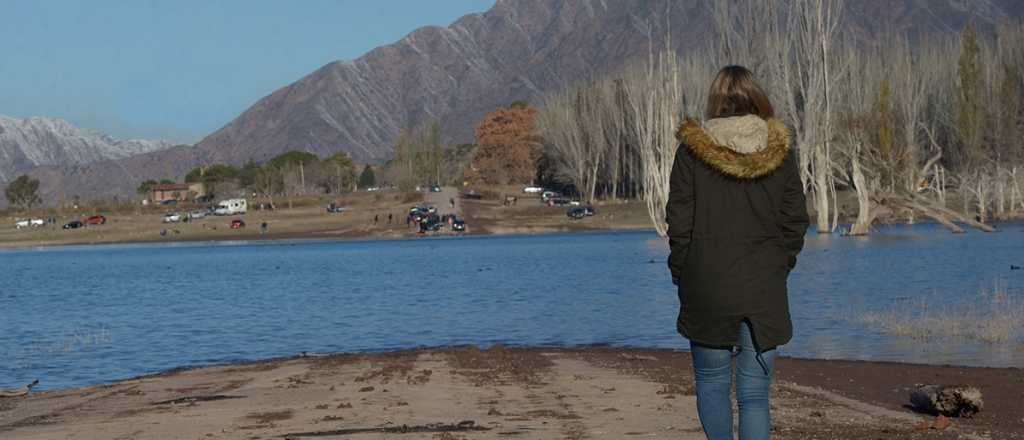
[{"x": 82, "y": 315}]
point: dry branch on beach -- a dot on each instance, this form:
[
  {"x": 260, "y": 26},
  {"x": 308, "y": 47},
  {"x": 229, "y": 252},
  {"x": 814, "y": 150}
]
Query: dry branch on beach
[{"x": 953, "y": 401}]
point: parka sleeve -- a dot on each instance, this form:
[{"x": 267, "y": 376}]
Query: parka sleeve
[
  {"x": 793, "y": 213},
  {"x": 679, "y": 211}
]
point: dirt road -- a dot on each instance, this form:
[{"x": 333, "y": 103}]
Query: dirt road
[{"x": 442, "y": 201}]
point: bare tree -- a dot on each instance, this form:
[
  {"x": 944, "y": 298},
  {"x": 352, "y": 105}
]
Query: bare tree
[
  {"x": 814, "y": 25},
  {"x": 655, "y": 100},
  {"x": 857, "y": 141},
  {"x": 573, "y": 126},
  {"x": 292, "y": 180}
]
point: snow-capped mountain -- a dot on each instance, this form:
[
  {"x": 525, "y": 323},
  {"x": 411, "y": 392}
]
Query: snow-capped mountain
[{"x": 31, "y": 142}]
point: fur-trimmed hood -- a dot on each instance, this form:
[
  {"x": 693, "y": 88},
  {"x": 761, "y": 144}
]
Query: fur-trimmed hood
[{"x": 745, "y": 147}]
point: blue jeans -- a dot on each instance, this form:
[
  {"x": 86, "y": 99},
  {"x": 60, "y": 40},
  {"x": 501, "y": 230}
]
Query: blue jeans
[{"x": 713, "y": 372}]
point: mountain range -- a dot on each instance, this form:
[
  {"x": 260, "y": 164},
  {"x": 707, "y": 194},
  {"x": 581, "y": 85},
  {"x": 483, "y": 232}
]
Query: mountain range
[
  {"x": 517, "y": 50},
  {"x": 32, "y": 142}
]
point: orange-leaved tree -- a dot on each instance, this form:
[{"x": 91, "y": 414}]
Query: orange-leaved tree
[{"x": 508, "y": 146}]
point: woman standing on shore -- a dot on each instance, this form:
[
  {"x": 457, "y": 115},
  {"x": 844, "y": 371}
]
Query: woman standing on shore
[{"x": 736, "y": 216}]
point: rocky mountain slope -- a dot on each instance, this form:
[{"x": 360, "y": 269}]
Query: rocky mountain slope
[
  {"x": 32, "y": 142},
  {"x": 519, "y": 49}
]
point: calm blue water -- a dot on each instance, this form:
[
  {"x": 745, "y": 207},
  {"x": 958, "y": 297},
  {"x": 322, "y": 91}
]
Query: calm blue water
[{"x": 83, "y": 315}]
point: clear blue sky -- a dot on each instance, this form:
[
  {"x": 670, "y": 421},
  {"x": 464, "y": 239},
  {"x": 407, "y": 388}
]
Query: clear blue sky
[{"x": 180, "y": 69}]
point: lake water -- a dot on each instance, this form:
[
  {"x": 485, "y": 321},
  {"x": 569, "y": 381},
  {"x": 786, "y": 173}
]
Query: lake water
[{"x": 83, "y": 315}]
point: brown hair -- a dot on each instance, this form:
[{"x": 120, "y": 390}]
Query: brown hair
[{"x": 734, "y": 92}]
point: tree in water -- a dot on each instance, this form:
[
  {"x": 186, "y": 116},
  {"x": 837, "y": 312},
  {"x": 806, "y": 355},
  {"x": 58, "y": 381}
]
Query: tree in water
[{"x": 969, "y": 95}]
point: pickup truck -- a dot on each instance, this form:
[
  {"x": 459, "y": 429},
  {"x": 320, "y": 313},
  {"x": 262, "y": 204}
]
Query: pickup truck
[{"x": 26, "y": 223}]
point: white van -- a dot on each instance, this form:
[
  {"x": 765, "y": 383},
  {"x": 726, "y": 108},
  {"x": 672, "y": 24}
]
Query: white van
[{"x": 231, "y": 207}]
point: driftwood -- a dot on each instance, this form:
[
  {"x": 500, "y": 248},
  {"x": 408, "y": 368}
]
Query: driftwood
[
  {"x": 194, "y": 399},
  {"x": 637, "y": 357},
  {"x": 937, "y": 212},
  {"x": 19, "y": 391},
  {"x": 953, "y": 401},
  {"x": 464, "y": 426}
]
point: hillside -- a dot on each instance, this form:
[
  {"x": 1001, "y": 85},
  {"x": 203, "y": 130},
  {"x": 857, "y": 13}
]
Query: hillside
[
  {"x": 515, "y": 50},
  {"x": 33, "y": 142}
]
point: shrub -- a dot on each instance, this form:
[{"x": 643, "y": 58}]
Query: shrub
[{"x": 992, "y": 318}]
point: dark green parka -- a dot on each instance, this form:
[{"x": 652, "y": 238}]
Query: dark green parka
[{"x": 736, "y": 216}]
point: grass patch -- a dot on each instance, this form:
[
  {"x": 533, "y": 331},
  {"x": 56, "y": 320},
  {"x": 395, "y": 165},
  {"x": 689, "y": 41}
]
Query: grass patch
[{"x": 991, "y": 317}]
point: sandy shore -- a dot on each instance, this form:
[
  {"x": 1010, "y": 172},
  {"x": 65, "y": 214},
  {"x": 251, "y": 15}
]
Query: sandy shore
[
  {"x": 311, "y": 221},
  {"x": 466, "y": 393}
]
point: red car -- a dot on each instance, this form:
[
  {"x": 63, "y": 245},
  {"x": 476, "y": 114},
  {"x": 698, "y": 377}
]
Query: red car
[
  {"x": 237, "y": 224},
  {"x": 96, "y": 220}
]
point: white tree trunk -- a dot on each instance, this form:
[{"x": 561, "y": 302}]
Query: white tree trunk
[
  {"x": 864, "y": 216},
  {"x": 821, "y": 190}
]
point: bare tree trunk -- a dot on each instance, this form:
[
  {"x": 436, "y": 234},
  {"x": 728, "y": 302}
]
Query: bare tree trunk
[
  {"x": 1000, "y": 196},
  {"x": 982, "y": 193},
  {"x": 821, "y": 190},
  {"x": 864, "y": 211},
  {"x": 1015, "y": 192},
  {"x": 655, "y": 100}
]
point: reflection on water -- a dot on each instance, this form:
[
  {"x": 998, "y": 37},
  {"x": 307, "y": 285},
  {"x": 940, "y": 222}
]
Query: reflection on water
[{"x": 159, "y": 307}]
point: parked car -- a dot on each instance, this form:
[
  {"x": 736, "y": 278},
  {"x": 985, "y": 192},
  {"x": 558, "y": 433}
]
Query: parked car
[
  {"x": 169, "y": 202},
  {"x": 96, "y": 220},
  {"x": 172, "y": 217},
  {"x": 197, "y": 214},
  {"x": 237, "y": 224},
  {"x": 335, "y": 209},
  {"x": 432, "y": 225},
  {"x": 458, "y": 226},
  {"x": 26, "y": 223},
  {"x": 562, "y": 201},
  {"x": 435, "y": 189},
  {"x": 548, "y": 195},
  {"x": 74, "y": 224},
  {"x": 581, "y": 212},
  {"x": 472, "y": 195},
  {"x": 533, "y": 190}
]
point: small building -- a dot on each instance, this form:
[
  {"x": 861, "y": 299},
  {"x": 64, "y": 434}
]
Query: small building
[{"x": 177, "y": 191}]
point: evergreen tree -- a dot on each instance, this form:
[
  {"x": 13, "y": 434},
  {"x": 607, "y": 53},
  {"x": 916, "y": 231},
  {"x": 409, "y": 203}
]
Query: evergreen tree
[
  {"x": 145, "y": 187},
  {"x": 969, "y": 109},
  {"x": 367, "y": 178},
  {"x": 23, "y": 192}
]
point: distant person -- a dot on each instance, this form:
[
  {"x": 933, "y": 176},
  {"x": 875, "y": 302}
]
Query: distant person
[
  {"x": 390, "y": 216},
  {"x": 264, "y": 227},
  {"x": 736, "y": 218},
  {"x": 376, "y": 218},
  {"x": 451, "y": 203}
]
